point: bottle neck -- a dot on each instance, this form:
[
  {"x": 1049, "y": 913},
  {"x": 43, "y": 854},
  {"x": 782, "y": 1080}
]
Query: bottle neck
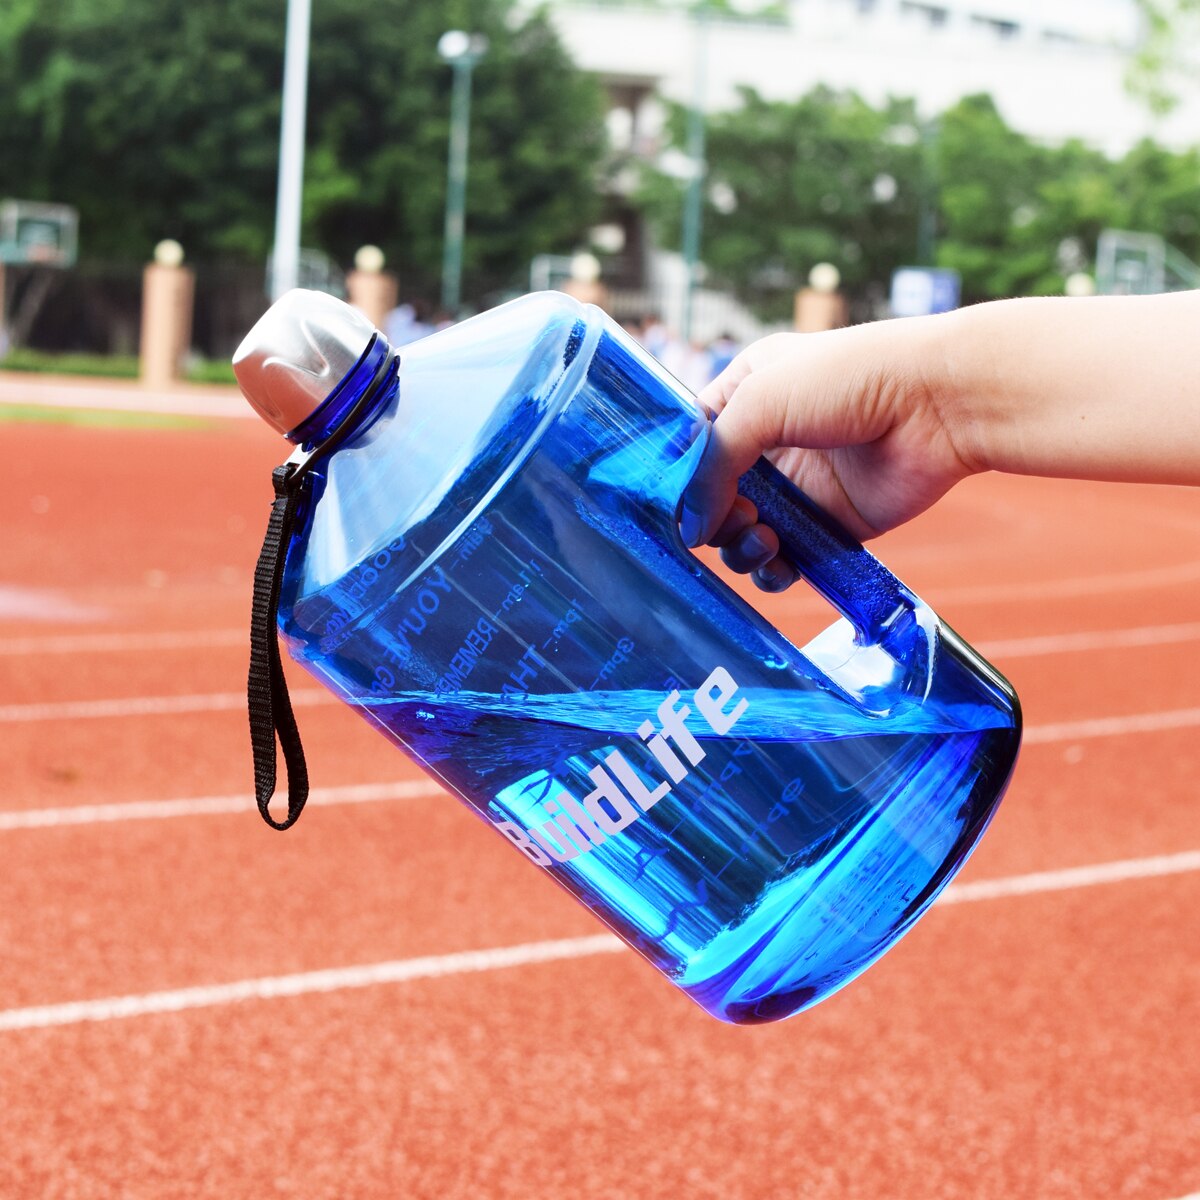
[{"x": 338, "y": 406}]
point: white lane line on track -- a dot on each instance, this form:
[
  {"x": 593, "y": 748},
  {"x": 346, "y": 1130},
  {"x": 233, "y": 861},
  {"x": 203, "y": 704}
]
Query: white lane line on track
[
  {"x": 19, "y": 603},
  {"x": 336, "y": 979},
  {"x": 1029, "y": 647},
  {"x": 466, "y": 962},
  {"x": 1098, "y": 727},
  {"x": 1072, "y": 877},
  {"x": 1107, "y": 639},
  {"x": 146, "y": 706},
  {"x": 101, "y": 643},
  {"x": 89, "y": 814},
  {"x": 1085, "y": 585},
  {"x": 152, "y": 810}
]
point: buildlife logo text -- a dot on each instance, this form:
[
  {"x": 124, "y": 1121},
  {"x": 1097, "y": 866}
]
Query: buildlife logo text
[{"x": 623, "y": 795}]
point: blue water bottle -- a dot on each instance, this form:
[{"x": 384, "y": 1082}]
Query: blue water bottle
[{"x": 476, "y": 546}]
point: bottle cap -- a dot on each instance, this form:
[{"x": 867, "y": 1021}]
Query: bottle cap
[{"x": 301, "y": 348}]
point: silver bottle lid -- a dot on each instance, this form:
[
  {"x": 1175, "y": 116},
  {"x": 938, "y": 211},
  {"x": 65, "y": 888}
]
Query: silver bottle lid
[{"x": 299, "y": 350}]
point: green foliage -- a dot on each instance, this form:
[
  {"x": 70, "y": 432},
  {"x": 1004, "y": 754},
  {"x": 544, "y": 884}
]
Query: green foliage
[
  {"x": 806, "y": 180},
  {"x": 1167, "y": 27},
  {"x": 1013, "y": 216},
  {"x": 210, "y": 370},
  {"x": 995, "y": 227},
  {"x": 1161, "y": 192},
  {"x": 107, "y": 366},
  {"x": 160, "y": 118},
  {"x": 1017, "y": 217},
  {"x": 95, "y": 418}
]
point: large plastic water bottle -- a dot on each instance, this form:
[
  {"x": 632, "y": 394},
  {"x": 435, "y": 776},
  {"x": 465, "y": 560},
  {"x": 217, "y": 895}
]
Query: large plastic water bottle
[{"x": 481, "y": 555}]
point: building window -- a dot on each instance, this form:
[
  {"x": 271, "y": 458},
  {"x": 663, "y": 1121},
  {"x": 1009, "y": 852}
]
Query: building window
[
  {"x": 1002, "y": 29},
  {"x": 935, "y": 14}
]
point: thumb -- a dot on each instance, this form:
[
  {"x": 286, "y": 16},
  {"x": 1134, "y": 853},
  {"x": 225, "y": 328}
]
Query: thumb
[
  {"x": 802, "y": 401},
  {"x": 739, "y": 434}
]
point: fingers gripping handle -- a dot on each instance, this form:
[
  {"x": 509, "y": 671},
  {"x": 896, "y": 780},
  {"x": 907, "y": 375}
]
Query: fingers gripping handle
[{"x": 851, "y": 578}]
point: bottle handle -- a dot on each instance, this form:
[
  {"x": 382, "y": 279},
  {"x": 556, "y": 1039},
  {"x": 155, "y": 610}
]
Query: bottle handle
[{"x": 850, "y": 577}]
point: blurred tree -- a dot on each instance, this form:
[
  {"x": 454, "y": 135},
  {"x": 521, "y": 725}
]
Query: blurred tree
[
  {"x": 826, "y": 178},
  {"x": 1017, "y": 217},
  {"x": 1165, "y": 58},
  {"x": 830, "y": 177},
  {"x": 160, "y": 118},
  {"x": 992, "y": 225},
  {"x": 1075, "y": 200},
  {"x": 1161, "y": 194}
]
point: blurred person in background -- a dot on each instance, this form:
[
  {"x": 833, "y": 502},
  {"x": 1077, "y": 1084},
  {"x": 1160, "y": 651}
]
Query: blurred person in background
[
  {"x": 722, "y": 351},
  {"x": 403, "y": 326}
]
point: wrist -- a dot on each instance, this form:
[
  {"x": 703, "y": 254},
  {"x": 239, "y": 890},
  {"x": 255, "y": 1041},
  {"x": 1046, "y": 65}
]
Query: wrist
[
  {"x": 965, "y": 384},
  {"x": 952, "y": 363}
]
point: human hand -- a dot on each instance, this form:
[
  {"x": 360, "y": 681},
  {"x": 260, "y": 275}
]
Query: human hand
[{"x": 855, "y": 417}]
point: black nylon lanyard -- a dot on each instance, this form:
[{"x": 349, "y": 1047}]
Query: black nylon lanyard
[{"x": 267, "y": 699}]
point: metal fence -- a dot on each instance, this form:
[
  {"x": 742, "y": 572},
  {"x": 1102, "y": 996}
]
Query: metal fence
[{"x": 95, "y": 307}]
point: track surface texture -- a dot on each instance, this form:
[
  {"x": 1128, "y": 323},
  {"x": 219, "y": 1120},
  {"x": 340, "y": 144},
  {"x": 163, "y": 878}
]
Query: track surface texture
[{"x": 387, "y": 1002}]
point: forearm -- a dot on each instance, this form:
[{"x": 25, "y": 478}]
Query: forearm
[{"x": 1097, "y": 388}]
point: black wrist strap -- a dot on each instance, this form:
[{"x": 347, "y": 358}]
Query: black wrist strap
[
  {"x": 268, "y": 703},
  {"x": 266, "y": 690}
]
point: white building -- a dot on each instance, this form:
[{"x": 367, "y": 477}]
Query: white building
[{"x": 1056, "y": 68}]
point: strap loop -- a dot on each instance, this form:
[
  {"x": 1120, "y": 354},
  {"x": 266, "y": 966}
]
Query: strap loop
[
  {"x": 269, "y": 705},
  {"x": 266, "y": 690}
]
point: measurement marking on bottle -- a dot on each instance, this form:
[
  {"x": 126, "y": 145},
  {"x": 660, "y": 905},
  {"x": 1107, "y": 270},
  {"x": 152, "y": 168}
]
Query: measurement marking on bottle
[
  {"x": 524, "y": 672},
  {"x": 471, "y": 541},
  {"x": 620, "y": 655},
  {"x": 1029, "y": 647},
  {"x": 523, "y": 581},
  {"x": 465, "y": 659},
  {"x": 366, "y": 574},
  {"x": 569, "y": 618},
  {"x": 426, "y": 599}
]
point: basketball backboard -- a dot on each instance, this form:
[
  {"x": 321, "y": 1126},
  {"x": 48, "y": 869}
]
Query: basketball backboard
[{"x": 34, "y": 233}]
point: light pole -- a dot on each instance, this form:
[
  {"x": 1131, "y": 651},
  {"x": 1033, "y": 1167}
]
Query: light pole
[
  {"x": 927, "y": 215},
  {"x": 285, "y": 260},
  {"x": 462, "y": 51},
  {"x": 693, "y": 207}
]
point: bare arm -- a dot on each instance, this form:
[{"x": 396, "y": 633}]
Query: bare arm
[
  {"x": 878, "y": 421},
  {"x": 1103, "y": 388}
]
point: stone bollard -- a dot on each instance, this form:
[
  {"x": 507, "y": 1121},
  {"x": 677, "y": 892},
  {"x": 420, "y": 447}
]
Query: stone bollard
[
  {"x": 3, "y": 318},
  {"x": 588, "y": 292},
  {"x": 583, "y": 284},
  {"x": 371, "y": 289},
  {"x": 168, "y": 289},
  {"x": 820, "y": 306}
]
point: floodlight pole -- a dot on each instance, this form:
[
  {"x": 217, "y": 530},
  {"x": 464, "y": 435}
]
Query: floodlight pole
[
  {"x": 285, "y": 260},
  {"x": 927, "y": 212},
  {"x": 462, "y": 51},
  {"x": 693, "y": 208}
]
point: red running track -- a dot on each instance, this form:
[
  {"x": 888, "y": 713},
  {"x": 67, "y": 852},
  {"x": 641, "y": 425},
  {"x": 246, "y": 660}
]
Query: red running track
[{"x": 1039, "y": 1040}]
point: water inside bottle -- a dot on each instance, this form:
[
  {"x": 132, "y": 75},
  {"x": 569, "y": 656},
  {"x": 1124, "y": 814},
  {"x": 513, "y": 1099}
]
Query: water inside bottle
[{"x": 836, "y": 847}]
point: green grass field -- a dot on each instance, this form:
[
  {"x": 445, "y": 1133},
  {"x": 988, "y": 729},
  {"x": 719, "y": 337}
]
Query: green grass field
[{"x": 96, "y": 418}]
